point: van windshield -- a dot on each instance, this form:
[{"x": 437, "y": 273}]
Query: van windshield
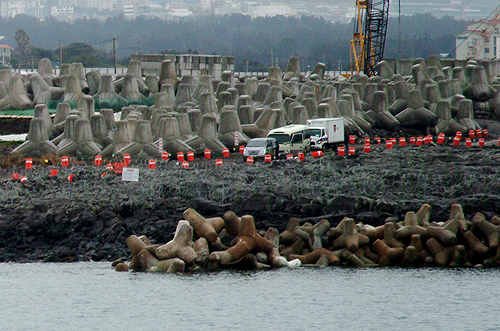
[
  {"x": 257, "y": 143},
  {"x": 281, "y": 138},
  {"x": 315, "y": 132}
]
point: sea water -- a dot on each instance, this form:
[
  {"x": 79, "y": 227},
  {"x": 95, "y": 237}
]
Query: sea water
[{"x": 92, "y": 296}]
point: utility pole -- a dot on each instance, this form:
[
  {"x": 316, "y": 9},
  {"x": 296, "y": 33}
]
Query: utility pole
[
  {"x": 60, "y": 53},
  {"x": 114, "y": 53}
]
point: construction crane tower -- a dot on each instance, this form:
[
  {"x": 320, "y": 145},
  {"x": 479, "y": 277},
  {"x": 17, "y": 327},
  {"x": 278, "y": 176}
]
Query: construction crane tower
[{"x": 370, "y": 29}]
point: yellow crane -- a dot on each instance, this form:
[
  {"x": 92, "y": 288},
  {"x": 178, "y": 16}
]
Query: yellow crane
[{"x": 370, "y": 29}]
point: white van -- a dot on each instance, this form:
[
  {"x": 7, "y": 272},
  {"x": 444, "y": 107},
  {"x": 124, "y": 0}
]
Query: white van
[{"x": 292, "y": 138}]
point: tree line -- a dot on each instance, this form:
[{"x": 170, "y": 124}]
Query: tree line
[{"x": 255, "y": 43}]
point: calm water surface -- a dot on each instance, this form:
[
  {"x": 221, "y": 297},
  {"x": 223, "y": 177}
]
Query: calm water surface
[{"x": 92, "y": 296}]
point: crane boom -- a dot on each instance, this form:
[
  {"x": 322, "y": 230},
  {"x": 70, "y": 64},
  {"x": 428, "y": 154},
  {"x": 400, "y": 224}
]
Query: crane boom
[{"x": 370, "y": 29}]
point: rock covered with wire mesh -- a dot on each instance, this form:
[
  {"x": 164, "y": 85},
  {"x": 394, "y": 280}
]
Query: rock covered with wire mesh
[{"x": 232, "y": 242}]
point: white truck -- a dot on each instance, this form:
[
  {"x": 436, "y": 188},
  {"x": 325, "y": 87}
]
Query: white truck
[{"x": 326, "y": 132}]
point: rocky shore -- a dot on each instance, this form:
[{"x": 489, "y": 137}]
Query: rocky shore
[{"x": 50, "y": 219}]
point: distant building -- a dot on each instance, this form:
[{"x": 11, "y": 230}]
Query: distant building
[
  {"x": 273, "y": 10},
  {"x": 204, "y": 5},
  {"x": 61, "y": 10},
  {"x": 480, "y": 41},
  {"x": 5, "y": 54},
  {"x": 179, "y": 11}
]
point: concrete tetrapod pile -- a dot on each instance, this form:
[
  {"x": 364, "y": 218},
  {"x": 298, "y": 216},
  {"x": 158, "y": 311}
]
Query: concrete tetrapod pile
[
  {"x": 423, "y": 95},
  {"x": 232, "y": 242}
]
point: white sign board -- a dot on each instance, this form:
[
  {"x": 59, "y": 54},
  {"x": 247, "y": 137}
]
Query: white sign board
[{"x": 130, "y": 175}]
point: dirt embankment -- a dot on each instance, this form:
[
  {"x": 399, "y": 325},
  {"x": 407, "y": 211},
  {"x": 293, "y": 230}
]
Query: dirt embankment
[{"x": 52, "y": 219}]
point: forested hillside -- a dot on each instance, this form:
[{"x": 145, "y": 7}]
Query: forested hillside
[{"x": 253, "y": 41}]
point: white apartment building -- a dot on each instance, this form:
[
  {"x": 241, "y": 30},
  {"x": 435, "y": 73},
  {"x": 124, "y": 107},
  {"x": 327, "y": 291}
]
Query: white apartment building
[
  {"x": 480, "y": 41},
  {"x": 5, "y": 53}
]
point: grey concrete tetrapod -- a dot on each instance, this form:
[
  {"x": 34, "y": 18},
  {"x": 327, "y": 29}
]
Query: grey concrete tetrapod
[
  {"x": 246, "y": 114},
  {"x": 208, "y": 132},
  {"x": 334, "y": 110},
  {"x": 244, "y": 100},
  {"x": 274, "y": 94},
  {"x": 42, "y": 111},
  {"x": 73, "y": 89},
  {"x": 263, "y": 89},
  {"x": 37, "y": 140},
  {"x": 64, "y": 69},
  {"x": 263, "y": 124},
  {"x": 416, "y": 115},
  {"x": 67, "y": 145},
  {"x": 130, "y": 89},
  {"x": 62, "y": 112},
  {"x": 432, "y": 96},
  {"x": 184, "y": 125},
  {"x": 86, "y": 105},
  {"x": 42, "y": 92},
  {"x": 86, "y": 145},
  {"x": 465, "y": 115},
  {"x": 142, "y": 145},
  {"x": 195, "y": 117},
  {"x": 444, "y": 88},
  {"x": 289, "y": 105},
  {"x": 384, "y": 70},
  {"x": 370, "y": 90},
  {"x": 300, "y": 114},
  {"x": 228, "y": 77},
  {"x": 145, "y": 112},
  {"x": 455, "y": 87},
  {"x": 292, "y": 69},
  {"x": 153, "y": 84},
  {"x": 221, "y": 87},
  {"x": 479, "y": 88},
  {"x": 17, "y": 97},
  {"x": 168, "y": 74},
  {"x": 208, "y": 81},
  {"x": 155, "y": 120},
  {"x": 198, "y": 90},
  {"x": 5, "y": 76},
  {"x": 380, "y": 112},
  {"x": 351, "y": 113},
  {"x": 109, "y": 118},
  {"x": 241, "y": 88},
  {"x": 45, "y": 68},
  {"x": 3, "y": 90},
  {"x": 76, "y": 69},
  {"x": 330, "y": 92},
  {"x": 106, "y": 96},
  {"x": 252, "y": 86},
  {"x": 446, "y": 124},
  {"x": 100, "y": 132},
  {"x": 162, "y": 100},
  {"x": 318, "y": 71},
  {"x": 93, "y": 78},
  {"x": 183, "y": 94},
  {"x": 311, "y": 107},
  {"x": 458, "y": 73},
  {"x": 420, "y": 76},
  {"x": 169, "y": 89},
  {"x": 229, "y": 127},
  {"x": 225, "y": 99},
  {"x": 208, "y": 104},
  {"x": 402, "y": 94},
  {"x": 275, "y": 74},
  {"x": 169, "y": 131},
  {"x": 121, "y": 138},
  {"x": 281, "y": 119}
]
